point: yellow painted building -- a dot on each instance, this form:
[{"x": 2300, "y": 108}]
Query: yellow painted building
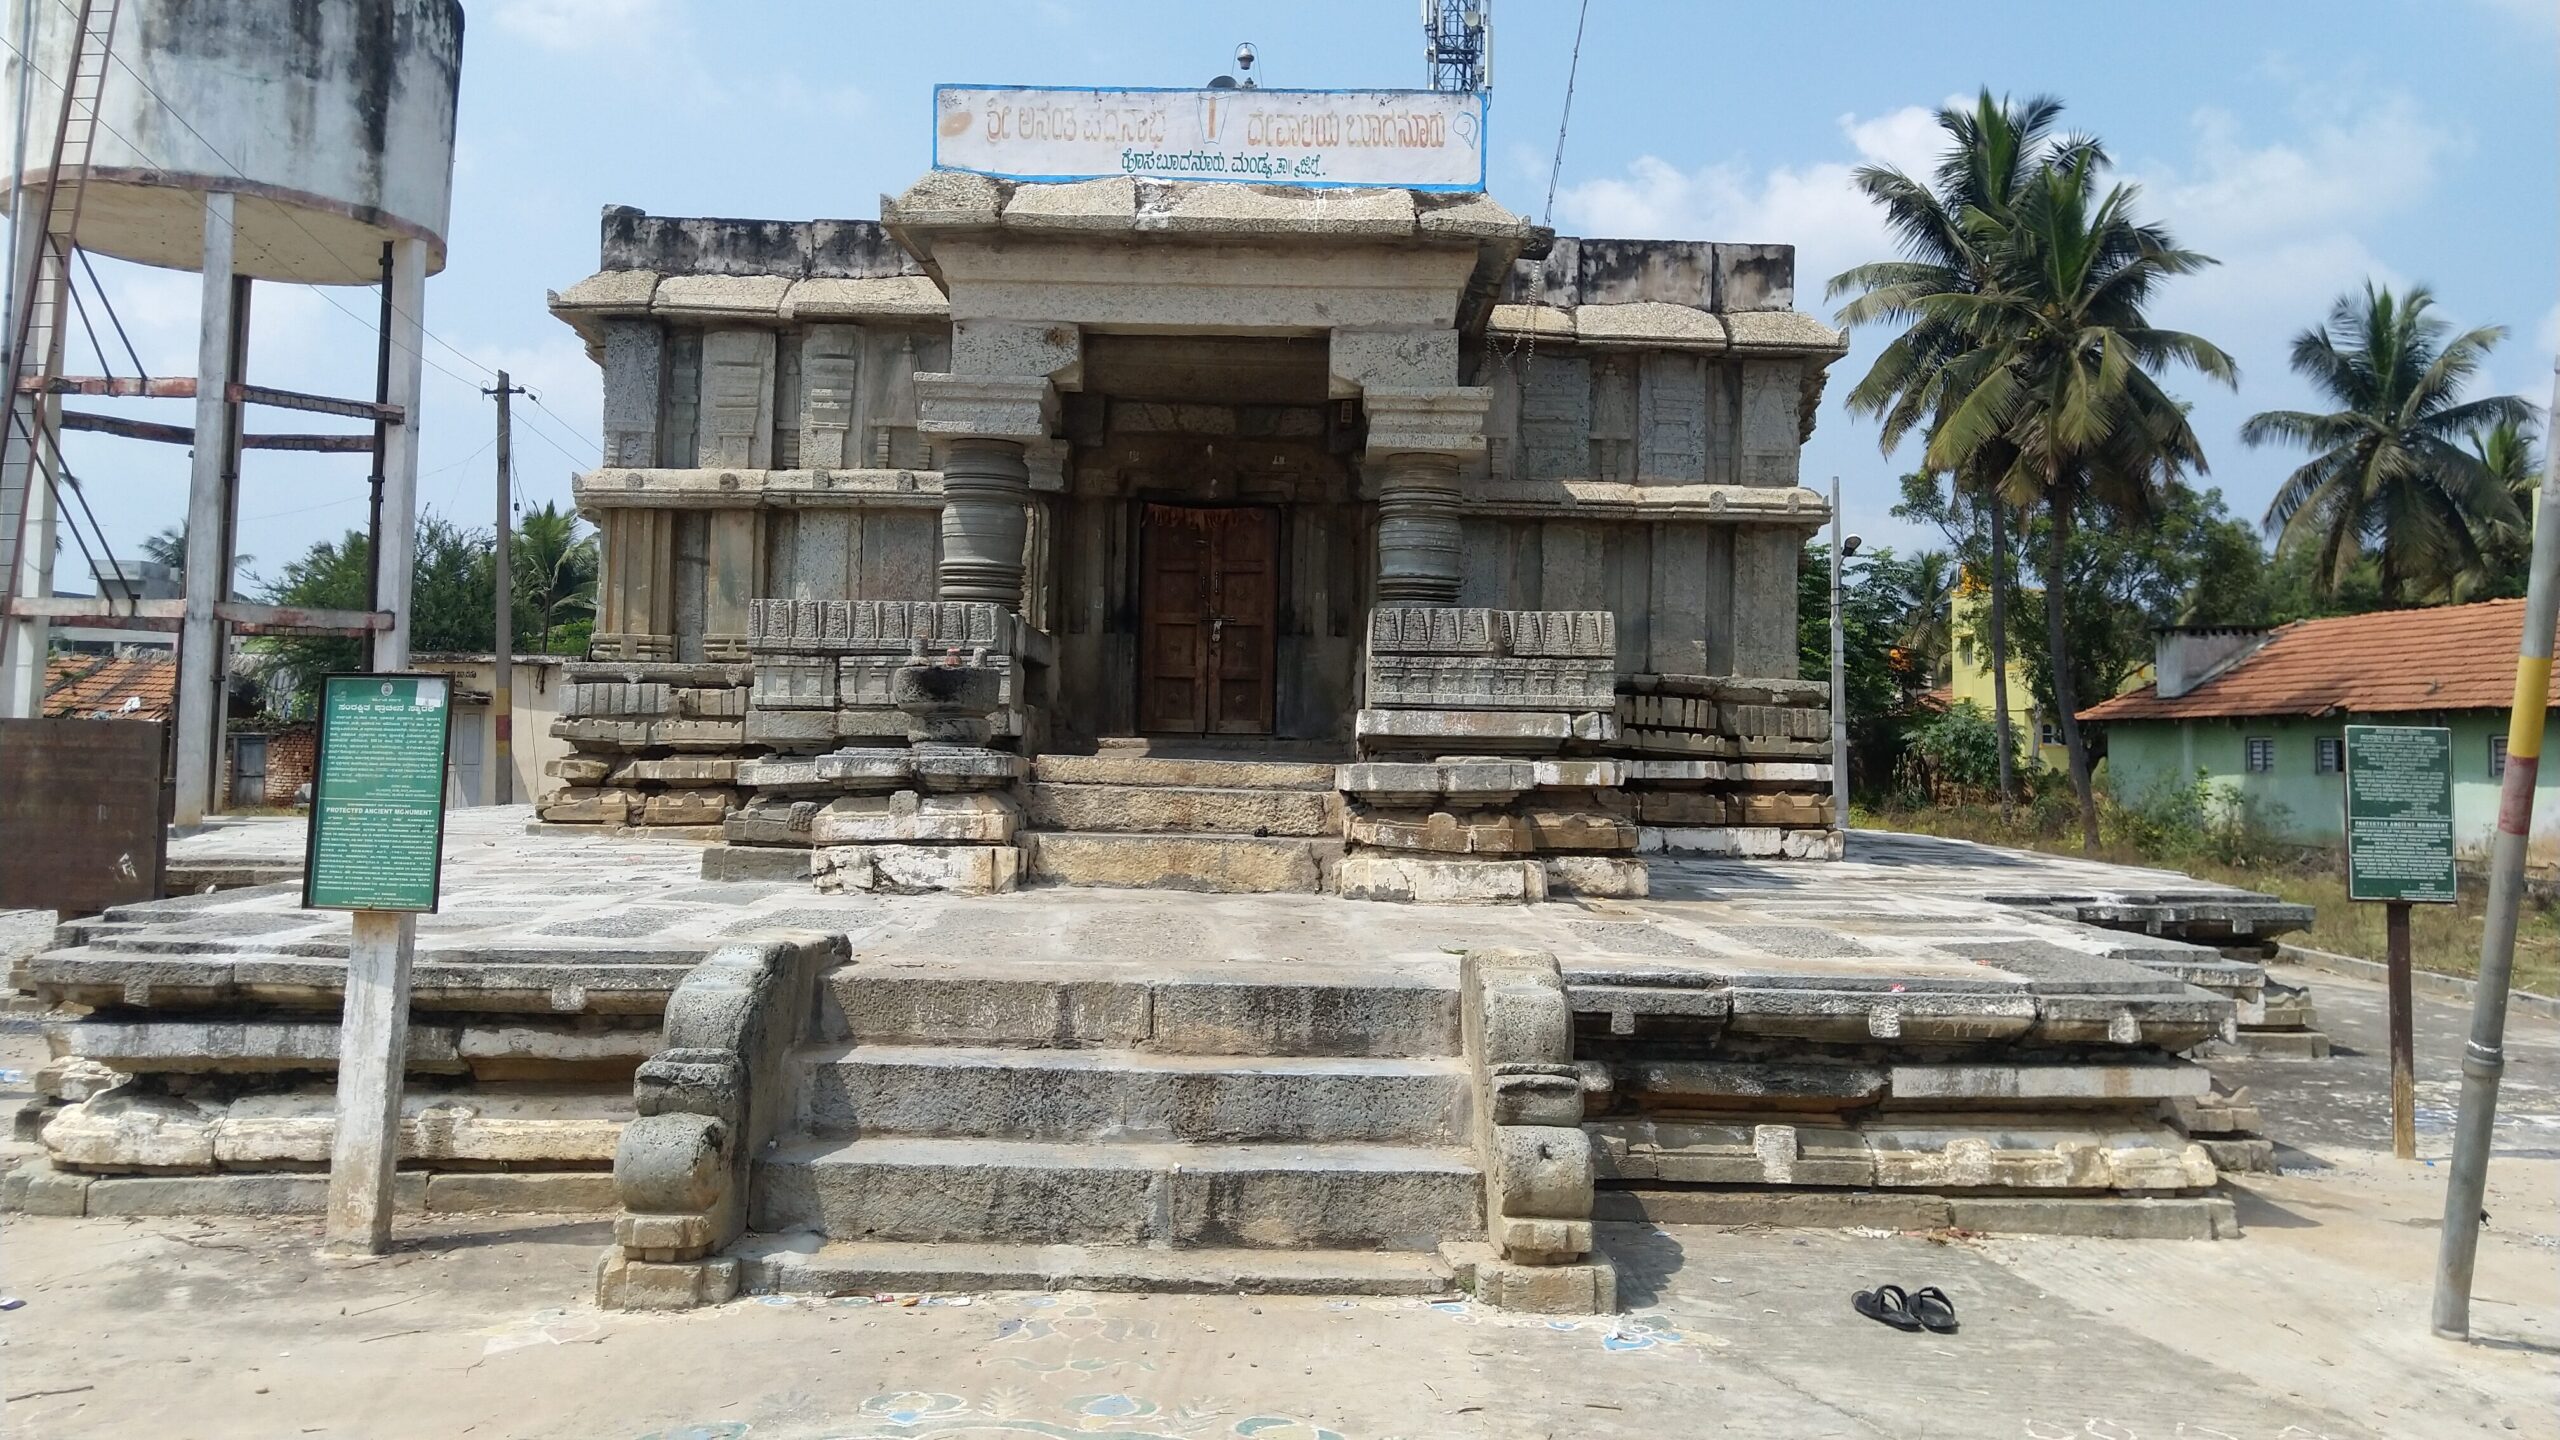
[{"x": 1969, "y": 674}]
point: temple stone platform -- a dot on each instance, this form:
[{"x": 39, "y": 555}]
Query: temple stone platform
[{"x": 1159, "y": 1090}]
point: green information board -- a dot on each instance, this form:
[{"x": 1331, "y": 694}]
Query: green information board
[
  {"x": 376, "y": 838},
  {"x": 2400, "y": 813}
]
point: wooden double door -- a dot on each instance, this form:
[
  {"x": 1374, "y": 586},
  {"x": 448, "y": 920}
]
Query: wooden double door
[{"x": 1208, "y": 606}]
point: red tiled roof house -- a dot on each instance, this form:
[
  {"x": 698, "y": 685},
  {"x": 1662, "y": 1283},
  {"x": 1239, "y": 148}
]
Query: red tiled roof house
[{"x": 2262, "y": 714}]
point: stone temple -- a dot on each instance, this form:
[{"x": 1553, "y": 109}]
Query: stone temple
[
  {"x": 1367, "y": 540},
  {"x": 1311, "y": 547}
]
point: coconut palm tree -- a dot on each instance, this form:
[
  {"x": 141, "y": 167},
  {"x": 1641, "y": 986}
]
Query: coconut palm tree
[
  {"x": 1943, "y": 228},
  {"x": 2389, "y": 475},
  {"x": 554, "y": 567},
  {"x": 2059, "y": 383}
]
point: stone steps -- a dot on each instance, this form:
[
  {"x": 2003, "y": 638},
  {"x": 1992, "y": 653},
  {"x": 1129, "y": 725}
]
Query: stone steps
[
  {"x": 1310, "y": 1008},
  {"x": 871, "y": 1267},
  {"x": 1320, "y": 1196},
  {"x": 1123, "y": 1095},
  {"x": 1128, "y": 770},
  {"x": 1184, "y": 809},
  {"x": 1220, "y": 864}
]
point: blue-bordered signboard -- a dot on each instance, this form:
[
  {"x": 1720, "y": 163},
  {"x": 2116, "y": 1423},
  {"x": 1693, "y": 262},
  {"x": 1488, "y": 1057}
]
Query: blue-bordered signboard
[
  {"x": 2400, "y": 813},
  {"x": 376, "y": 836},
  {"x": 1407, "y": 139}
]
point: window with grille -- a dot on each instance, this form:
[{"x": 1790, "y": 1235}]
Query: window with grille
[
  {"x": 2497, "y": 757},
  {"x": 2262, "y": 755},
  {"x": 2330, "y": 756}
]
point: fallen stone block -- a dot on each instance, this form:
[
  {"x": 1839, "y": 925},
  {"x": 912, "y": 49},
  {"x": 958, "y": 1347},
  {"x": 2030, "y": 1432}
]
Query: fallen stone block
[
  {"x": 578, "y": 769},
  {"x": 198, "y": 1046},
  {"x": 1578, "y": 774},
  {"x": 1680, "y": 809},
  {"x": 584, "y": 805},
  {"x": 772, "y": 822},
  {"x": 1759, "y": 809}
]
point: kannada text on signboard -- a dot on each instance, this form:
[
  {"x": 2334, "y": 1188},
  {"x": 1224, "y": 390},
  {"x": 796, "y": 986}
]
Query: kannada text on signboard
[
  {"x": 377, "y": 801},
  {"x": 1417, "y": 139}
]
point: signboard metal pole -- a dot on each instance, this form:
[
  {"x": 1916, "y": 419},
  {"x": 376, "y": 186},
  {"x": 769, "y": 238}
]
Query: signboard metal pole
[
  {"x": 2400, "y": 852},
  {"x": 2404, "y": 1063},
  {"x": 2484, "y": 1059}
]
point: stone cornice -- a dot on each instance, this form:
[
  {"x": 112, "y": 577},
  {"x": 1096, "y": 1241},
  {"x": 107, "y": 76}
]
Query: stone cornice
[
  {"x": 1614, "y": 499},
  {"x": 619, "y": 488}
]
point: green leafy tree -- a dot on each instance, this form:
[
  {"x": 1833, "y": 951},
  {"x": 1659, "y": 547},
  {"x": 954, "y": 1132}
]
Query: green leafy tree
[
  {"x": 1949, "y": 232},
  {"x": 2122, "y": 582},
  {"x": 1880, "y": 595},
  {"x": 2062, "y": 387},
  {"x": 2390, "y": 475},
  {"x": 451, "y": 605},
  {"x": 554, "y": 569}
]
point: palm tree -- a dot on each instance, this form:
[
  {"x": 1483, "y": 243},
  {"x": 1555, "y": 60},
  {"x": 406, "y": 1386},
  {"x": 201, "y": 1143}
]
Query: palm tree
[
  {"x": 2506, "y": 451},
  {"x": 554, "y": 567},
  {"x": 168, "y": 547},
  {"x": 2060, "y": 380},
  {"x": 2389, "y": 475},
  {"x": 1941, "y": 228}
]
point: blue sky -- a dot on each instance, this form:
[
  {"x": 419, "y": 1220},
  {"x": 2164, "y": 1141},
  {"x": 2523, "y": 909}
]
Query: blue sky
[{"x": 2307, "y": 146}]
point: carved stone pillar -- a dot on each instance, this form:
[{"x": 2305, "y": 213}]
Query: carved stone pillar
[
  {"x": 1418, "y": 548},
  {"x": 985, "y": 486},
  {"x": 1418, "y": 437}
]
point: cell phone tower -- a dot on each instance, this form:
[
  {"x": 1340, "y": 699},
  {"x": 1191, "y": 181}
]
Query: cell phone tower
[{"x": 1457, "y": 43}]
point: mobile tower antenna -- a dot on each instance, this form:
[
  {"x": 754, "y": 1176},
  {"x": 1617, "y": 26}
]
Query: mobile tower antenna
[{"x": 1457, "y": 43}]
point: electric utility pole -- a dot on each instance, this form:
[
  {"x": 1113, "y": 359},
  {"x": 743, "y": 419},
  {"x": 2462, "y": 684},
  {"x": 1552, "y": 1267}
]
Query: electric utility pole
[
  {"x": 502, "y": 683},
  {"x": 2484, "y": 1059}
]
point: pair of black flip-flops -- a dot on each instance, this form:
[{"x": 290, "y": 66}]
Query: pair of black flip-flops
[{"x": 1928, "y": 1309}]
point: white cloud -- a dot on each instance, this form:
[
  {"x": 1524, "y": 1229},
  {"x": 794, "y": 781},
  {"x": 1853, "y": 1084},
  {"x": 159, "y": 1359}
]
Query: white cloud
[
  {"x": 584, "y": 24},
  {"x": 1815, "y": 207}
]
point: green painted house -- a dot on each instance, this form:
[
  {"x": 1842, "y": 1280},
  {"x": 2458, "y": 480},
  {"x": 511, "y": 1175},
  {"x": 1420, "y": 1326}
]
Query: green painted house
[{"x": 2261, "y": 714}]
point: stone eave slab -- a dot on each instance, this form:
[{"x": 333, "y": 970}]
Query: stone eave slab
[
  {"x": 621, "y": 488},
  {"x": 1730, "y": 504}
]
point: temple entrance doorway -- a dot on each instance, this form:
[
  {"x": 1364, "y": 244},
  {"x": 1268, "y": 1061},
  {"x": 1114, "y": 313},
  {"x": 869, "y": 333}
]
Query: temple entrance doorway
[{"x": 1208, "y": 599}]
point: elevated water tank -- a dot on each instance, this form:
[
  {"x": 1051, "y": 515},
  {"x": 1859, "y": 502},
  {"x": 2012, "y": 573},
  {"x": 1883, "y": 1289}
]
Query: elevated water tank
[{"x": 332, "y": 120}]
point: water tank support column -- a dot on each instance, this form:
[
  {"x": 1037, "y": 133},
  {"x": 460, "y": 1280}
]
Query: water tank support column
[{"x": 200, "y": 657}]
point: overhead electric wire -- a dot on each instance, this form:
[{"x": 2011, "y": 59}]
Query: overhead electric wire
[{"x": 1573, "y": 70}]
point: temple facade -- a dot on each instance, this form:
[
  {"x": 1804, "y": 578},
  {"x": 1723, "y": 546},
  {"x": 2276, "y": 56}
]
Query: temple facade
[{"x": 1307, "y": 476}]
